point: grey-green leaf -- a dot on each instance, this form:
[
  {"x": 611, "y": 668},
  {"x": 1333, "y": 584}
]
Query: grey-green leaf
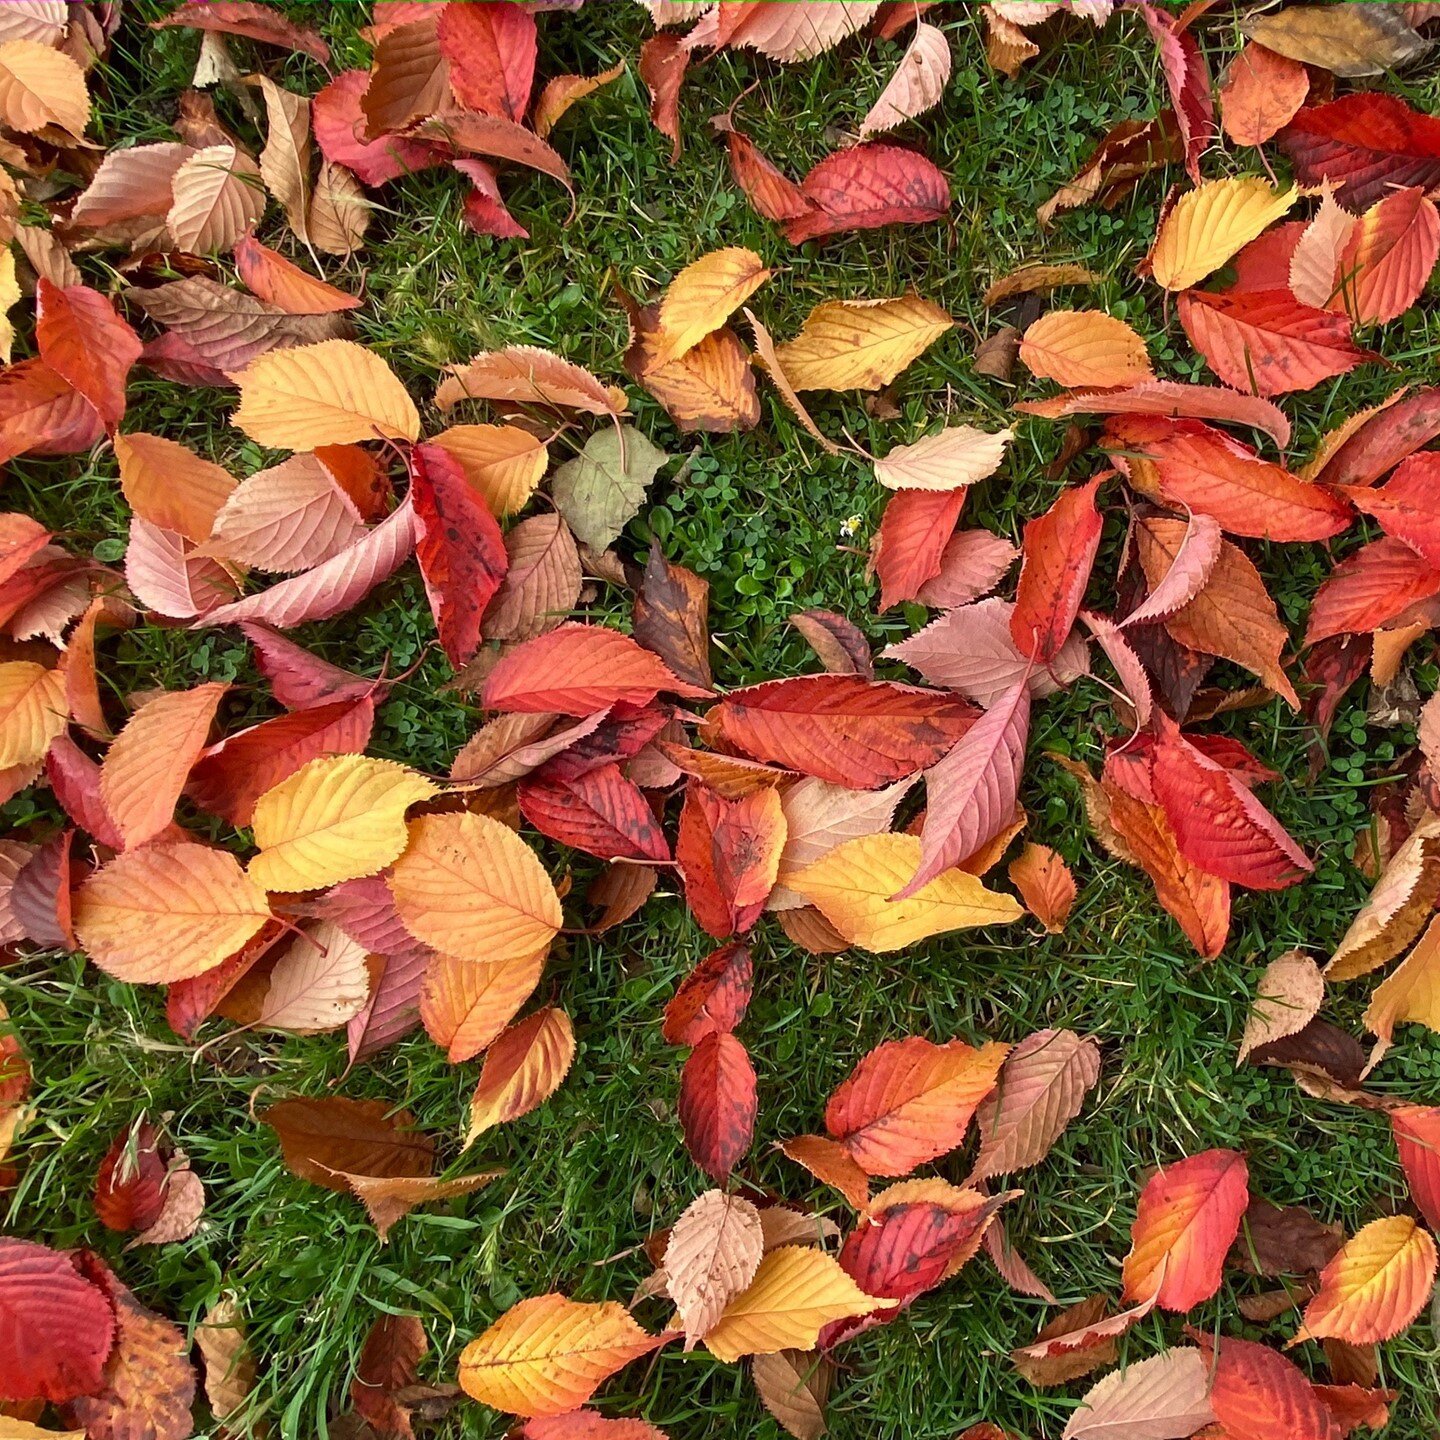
[{"x": 602, "y": 489}]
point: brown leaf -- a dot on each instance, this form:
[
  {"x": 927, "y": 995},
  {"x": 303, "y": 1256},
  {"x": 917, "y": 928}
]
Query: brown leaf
[
  {"x": 841, "y": 647},
  {"x": 230, "y": 1368},
  {"x": 670, "y": 618},
  {"x": 794, "y": 1385},
  {"x": 389, "y": 1362},
  {"x": 1045, "y": 1370},
  {"x": 1290, "y": 995},
  {"x": 1284, "y": 1240},
  {"x": 325, "y": 1140}
]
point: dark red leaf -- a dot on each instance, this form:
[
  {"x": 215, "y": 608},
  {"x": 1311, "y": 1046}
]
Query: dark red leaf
[
  {"x": 130, "y": 1187},
  {"x": 598, "y": 811},
  {"x": 712, "y": 998}
]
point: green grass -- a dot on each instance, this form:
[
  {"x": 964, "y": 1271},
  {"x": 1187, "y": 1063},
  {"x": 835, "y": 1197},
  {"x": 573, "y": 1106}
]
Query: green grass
[{"x": 760, "y": 516}]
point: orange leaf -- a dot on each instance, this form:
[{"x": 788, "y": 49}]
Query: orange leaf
[
  {"x": 1045, "y": 884},
  {"x": 1085, "y": 347},
  {"x": 910, "y": 1100},
  {"x": 523, "y": 1068}
]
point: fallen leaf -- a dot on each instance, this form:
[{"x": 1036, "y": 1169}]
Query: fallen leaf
[
  {"x": 1375, "y": 1287},
  {"x": 548, "y": 1355},
  {"x": 1260, "y": 92},
  {"x": 1289, "y": 997},
  {"x": 860, "y": 344},
  {"x": 1164, "y": 1396},
  {"x": 712, "y": 1255},
  {"x": 1210, "y": 224},
  {"x": 916, "y": 86},
  {"x": 955, "y": 456},
  {"x": 1188, "y": 1218},
  {"x": 1084, "y": 347},
  {"x": 1351, "y": 42},
  {"x": 523, "y": 1068},
  {"x": 602, "y": 489}
]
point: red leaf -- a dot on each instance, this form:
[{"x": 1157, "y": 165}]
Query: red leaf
[
  {"x": 130, "y": 1186},
  {"x": 578, "y": 669},
  {"x": 970, "y": 795},
  {"x": 459, "y": 546},
  {"x": 1388, "y": 259},
  {"x": 1417, "y": 1136},
  {"x": 1368, "y": 589},
  {"x": 853, "y": 732},
  {"x": 1206, "y": 470},
  {"x": 1369, "y": 144},
  {"x": 393, "y": 1009},
  {"x": 729, "y": 852},
  {"x": 82, "y": 338},
  {"x": 1395, "y": 429},
  {"x": 1188, "y": 1218},
  {"x": 485, "y": 210},
  {"x": 1218, "y": 823},
  {"x": 712, "y": 998},
  {"x": 1169, "y": 397},
  {"x": 233, "y": 774},
  {"x": 718, "y": 1104},
  {"x": 866, "y": 187},
  {"x": 662, "y": 65},
  {"x": 338, "y": 120},
  {"x": 253, "y": 21},
  {"x": 1188, "y": 79},
  {"x": 1059, "y": 549},
  {"x": 491, "y": 47},
  {"x": 598, "y": 811},
  {"x": 1266, "y": 342},
  {"x": 1257, "y": 1394},
  {"x": 909, "y": 547},
  {"x": 389, "y": 1362},
  {"x": 56, "y": 1328},
  {"x": 75, "y": 779},
  {"x": 1407, "y": 505}
]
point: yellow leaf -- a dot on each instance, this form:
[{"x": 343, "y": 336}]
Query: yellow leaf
[
  {"x": 13, "y": 1429},
  {"x": 503, "y": 462},
  {"x": 796, "y": 1292},
  {"x": 469, "y": 886},
  {"x": 337, "y": 818},
  {"x": 1084, "y": 347},
  {"x": 167, "y": 912},
  {"x": 333, "y": 393},
  {"x": 39, "y": 87},
  {"x": 860, "y": 344},
  {"x": 852, "y": 886},
  {"x": 147, "y": 764},
  {"x": 702, "y": 297},
  {"x": 9, "y": 294},
  {"x": 958, "y": 455},
  {"x": 1375, "y": 1287},
  {"x": 548, "y": 1355},
  {"x": 169, "y": 485},
  {"x": 1208, "y": 225},
  {"x": 33, "y": 711}
]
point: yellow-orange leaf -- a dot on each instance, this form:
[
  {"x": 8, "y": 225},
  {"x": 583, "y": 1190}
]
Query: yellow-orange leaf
[
  {"x": 852, "y": 886},
  {"x": 1410, "y": 994},
  {"x": 548, "y": 1355},
  {"x": 1375, "y": 1287},
  {"x": 527, "y": 375},
  {"x": 503, "y": 462},
  {"x": 1208, "y": 225},
  {"x": 41, "y": 86},
  {"x": 32, "y": 711},
  {"x": 169, "y": 485},
  {"x": 147, "y": 764},
  {"x": 1045, "y": 884},
  {"x": 796, "y": 1292},
  {"x": 471, "y": 887},
  {"x": 1084, "y": 347},
  {"x": 465, "y": 1004},
  {"x": 333, "y": 393},
  {"x": 563, "y": 91},
  {"x": 168, "y": 912},
  {"x": 860, "y": 344},
  {"x": 522, "y": 1070},
  {"x": 337, "y": 818},
  {"x": 702, "y": 297}
]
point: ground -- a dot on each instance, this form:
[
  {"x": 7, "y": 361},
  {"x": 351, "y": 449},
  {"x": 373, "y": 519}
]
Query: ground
[{"x": 760, "y": 516}]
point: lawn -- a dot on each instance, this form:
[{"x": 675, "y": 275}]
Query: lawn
[{"x": 775, "y": 526}]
